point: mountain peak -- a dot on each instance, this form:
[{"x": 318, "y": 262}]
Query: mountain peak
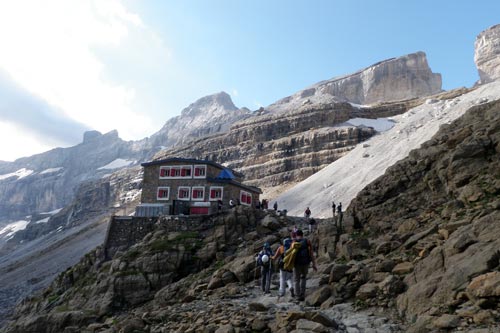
[{"x": 220, "y": 101}]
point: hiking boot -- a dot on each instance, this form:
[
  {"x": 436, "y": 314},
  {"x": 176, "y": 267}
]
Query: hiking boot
[
  {"x": 301, "y": 299},
  {"x": 292, "y": 293}
]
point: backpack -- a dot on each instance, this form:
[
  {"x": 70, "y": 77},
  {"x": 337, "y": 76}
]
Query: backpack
[
  {"x": 303, "y": 257},
  {"x": 287, "y": 242},
  {"x": 259, "y": 258},
  {"x": 290, "y": 255}
]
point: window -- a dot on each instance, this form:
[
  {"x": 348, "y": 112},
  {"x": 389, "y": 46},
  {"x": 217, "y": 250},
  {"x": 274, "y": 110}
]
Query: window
[
  {"x": 198, "y": 193},
  {"x": 164, "y": 172},
  {"x": 245, "y": 198},
  {"x": 180, "y": 171},
  {"x": 216, "y": 193},
  {"x": 163, "y": 193},
  {"x": 200, "y": 171},
  {"x": 183, "y": 193}
]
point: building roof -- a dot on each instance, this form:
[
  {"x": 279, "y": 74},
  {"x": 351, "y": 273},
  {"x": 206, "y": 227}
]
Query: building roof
[
  {"x": 235, "y": 183},
  {"x": 193, "y": 161}
]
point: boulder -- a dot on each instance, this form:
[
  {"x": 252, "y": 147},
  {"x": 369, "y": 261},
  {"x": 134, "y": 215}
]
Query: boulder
[
  {"x": 270, "y": 222},
  {"x": 446, "y": 321},
  {"x": 310, "y": 326},
  {"x": 338, "y": 272},
  {"x": 319, "y": 296},
  {"x": 485, "y": 285},
  {"x": 367, "y": 291},
  {"x": 403, "y": 268}
]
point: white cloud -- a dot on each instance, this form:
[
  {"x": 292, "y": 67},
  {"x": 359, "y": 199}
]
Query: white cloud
[
  {"x": 23, "y": 145},
  {"x": 51, "y": 49},
  {"x": 234, "y": 92}
]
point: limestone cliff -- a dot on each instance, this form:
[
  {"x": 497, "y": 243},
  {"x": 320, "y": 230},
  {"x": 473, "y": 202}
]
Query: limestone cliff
[
  {"x": 275, "y": 150},
  {"x": 487, "y": 54},
  {"x": 394, "y": 79}
]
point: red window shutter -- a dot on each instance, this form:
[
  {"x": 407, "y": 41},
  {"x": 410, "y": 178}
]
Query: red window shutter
[
  {"x": 212, "y": 194},
  {"x": 162, "y": 172},
  {"x": 195, "y": 194},
  {"x": 249, "y": 199},
  {"x": 196, "y": 171}
]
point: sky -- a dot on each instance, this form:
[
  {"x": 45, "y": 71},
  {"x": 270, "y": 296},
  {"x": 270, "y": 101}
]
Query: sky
[{"x": 71, "y": 66}]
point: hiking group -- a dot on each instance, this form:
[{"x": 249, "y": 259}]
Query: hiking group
[{"x": 294, "y": 255}]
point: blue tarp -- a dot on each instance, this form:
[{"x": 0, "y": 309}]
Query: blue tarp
[{"x": 225, "y": 174}]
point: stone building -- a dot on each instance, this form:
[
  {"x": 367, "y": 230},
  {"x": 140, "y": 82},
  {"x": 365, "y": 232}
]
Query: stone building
[{"x": 176, "y": 186}]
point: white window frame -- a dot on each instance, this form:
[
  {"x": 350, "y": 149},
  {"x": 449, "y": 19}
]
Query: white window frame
[
  {"x": 248, "y": 194},
  {"x": 215, "y": 188},
  {"x": 158, "y": 192},
  {"x": 184, "y": 188},
  {"x": 164, "y": 168},
  {"x": 198, "y": 188},
  {"x": 204, "y": 167},
  {"x": 179, "y": 167}
]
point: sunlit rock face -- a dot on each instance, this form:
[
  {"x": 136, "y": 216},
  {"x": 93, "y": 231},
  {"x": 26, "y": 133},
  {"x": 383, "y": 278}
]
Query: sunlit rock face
[{"x": 487, "y": 54}]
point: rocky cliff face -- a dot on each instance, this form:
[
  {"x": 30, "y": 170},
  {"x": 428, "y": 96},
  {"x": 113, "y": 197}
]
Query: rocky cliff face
[
  {"x": 435, "y": 215},
  {"x": 487, "y": 54},
  {"x": 276, "y": 150},
  {"x": 48, "y": 181},
  {"x": 394, "y": 79}
]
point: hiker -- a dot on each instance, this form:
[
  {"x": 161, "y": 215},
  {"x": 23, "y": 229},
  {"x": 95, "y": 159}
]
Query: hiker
[
  {"x": 303, "y": 258},
  {"x": 312, "y": 225},
  {"x": 275, "y": 206},
  {"x": 219, "y": 205},
  {"x": 339, "y": 208},
  {"x": 257, "y": 205},
  {"x": 340, "y": 217},
  {"x": 264, "y": 261},
  {"x": 293, "y": 234},
  {"x": 307, "y": 213},
  {"x": 285, "y": 275}
]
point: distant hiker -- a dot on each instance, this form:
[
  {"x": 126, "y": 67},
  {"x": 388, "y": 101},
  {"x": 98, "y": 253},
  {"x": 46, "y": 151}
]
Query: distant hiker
[
  {"x": 285, "y": 275},
  {"x": 340, "y": 217},
  {"x": 257, "y": 205},
  {"x": 293, "y": 234},
  {"x": 264, "y": 204},
  {"x": 275, "y": 206},
  {"x": 312, "y": 225},
  {"x": 303, "y": 258},
  {"x": 333, "y": 207},
  {"x": 219, "y": 205},
  {"x": 231, "y": 203},
  {"x": 264, "y": 261},
  {"x": 307, "y": 213}
]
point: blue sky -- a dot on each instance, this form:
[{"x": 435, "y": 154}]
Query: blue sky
[{"x": 133, "y": 64}]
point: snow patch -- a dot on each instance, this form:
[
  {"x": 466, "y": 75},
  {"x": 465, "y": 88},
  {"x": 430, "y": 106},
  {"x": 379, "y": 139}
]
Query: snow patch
[
  {"x": 379, "y": 124},
  {"x": 10, "y": 229},
  {"x": 118, "y": 163},
  {"x": 53, "y": 212},
  {"x": 51, "y": 170},
  {"x": 45, "y": 220},
  {"x": 21, "y": 173}
]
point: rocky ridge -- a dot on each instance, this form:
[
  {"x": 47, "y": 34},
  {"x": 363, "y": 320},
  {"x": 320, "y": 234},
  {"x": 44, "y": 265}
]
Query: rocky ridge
[
  {"x": 487, "y": 54},
  {"x": 395, "y": 79}
]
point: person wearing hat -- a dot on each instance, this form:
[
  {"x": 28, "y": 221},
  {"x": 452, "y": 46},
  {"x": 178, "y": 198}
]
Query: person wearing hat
[{"x": 264, "y": 261}]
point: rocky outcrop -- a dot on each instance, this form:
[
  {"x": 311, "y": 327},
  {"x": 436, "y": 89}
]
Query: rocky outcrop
[
  {"x": 436, "y": 213},
  {"x": 207, "y": 116},
  {"x": 487, "y": 54},
  {"x": 394, "y": 79}
]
